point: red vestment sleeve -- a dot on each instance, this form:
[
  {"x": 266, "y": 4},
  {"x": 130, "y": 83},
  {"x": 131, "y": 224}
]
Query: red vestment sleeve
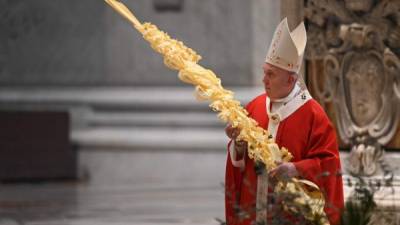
[{"x": 233, "y": 181}]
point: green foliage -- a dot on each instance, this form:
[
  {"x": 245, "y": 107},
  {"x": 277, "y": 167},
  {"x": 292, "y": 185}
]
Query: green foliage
[
  {"x": 358, "y": 210},
  {"x": 360, "y": 207}
]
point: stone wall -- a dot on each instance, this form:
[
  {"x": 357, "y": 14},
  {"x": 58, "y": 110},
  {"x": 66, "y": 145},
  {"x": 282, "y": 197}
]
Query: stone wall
[{"x": 85, "y": 43}]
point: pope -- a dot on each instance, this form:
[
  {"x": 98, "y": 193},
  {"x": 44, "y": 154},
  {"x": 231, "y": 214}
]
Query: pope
[{"x": 297, "y": 122}]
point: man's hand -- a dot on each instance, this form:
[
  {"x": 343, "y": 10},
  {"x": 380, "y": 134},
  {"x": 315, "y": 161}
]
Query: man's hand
[
  {"x": 240, "y": 146},
  {"x": 283, "y": 171},
  {"x": 232, "y": 132}
]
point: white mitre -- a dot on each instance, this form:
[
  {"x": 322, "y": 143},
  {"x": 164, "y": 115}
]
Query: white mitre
[{"x": 287, "y": 48}]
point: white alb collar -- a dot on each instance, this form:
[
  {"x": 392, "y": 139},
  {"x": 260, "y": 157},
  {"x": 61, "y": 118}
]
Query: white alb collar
[{"x": 295, "y": 100}]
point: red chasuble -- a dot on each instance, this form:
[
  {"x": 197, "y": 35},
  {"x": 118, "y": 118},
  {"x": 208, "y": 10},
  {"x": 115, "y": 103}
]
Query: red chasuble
[{"x": 311, "y": 138}]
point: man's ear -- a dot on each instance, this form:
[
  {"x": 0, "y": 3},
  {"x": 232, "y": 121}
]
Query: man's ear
[{"x": 291, "y": 78}]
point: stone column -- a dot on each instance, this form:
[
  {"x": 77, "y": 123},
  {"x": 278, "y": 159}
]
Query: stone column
[
  {"x": 264, "y": 18},
  {"x": 293, "y": 10}
]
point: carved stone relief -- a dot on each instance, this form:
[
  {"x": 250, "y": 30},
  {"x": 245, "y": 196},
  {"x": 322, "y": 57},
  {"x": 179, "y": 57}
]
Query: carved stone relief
[{"x": 359, "y": 45}]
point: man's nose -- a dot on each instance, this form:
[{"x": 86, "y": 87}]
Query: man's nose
[{"x": 265, "y": 79}]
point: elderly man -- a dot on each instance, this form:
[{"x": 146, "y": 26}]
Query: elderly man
[{"x": 297, "y": 122}]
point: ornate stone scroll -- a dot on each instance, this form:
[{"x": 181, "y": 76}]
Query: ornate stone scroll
[{"x": 358, "y": 43}]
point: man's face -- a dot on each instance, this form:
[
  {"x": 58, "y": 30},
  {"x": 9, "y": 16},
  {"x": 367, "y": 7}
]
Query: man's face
[{"x": 278, "y": 82}]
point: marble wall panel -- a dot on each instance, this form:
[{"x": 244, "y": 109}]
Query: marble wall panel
[{"x": 85, "y": 43}]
